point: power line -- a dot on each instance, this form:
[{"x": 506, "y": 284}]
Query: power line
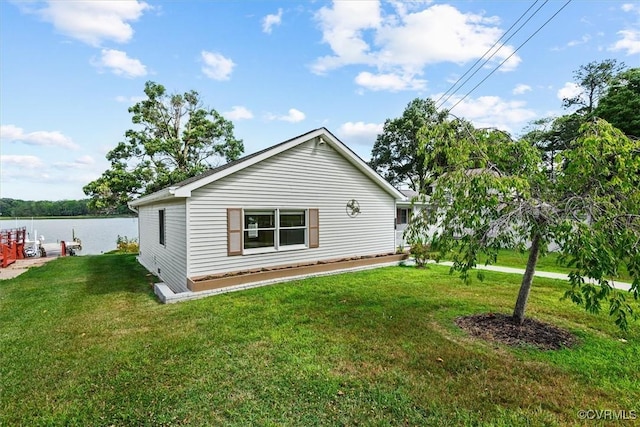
[
  {"x": 489, "y": 50},
  {"x": 513, "y": 53}
]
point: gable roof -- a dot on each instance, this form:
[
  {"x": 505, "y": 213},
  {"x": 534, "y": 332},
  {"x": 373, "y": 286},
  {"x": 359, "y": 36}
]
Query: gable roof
[{"x": 184, "y": 188}]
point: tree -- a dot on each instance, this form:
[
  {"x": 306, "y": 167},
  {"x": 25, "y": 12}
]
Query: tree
[
  {"x": 552, "y": 136},
  {"x": 494, "y": 194},
  {"x": 620, "y": 105},
  {"x": 598, "y": 81},
  {"x": 175, "y": 138},
  {"x": 594, "y": 79},
  {"x": 396, "y": 154}
]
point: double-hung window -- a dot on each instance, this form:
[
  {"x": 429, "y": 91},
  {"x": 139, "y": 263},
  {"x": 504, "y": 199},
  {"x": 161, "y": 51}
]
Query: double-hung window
[
  {"x": 259, "y": 229},
  {"x": 265, "y": 230},
  {"x": 402, "y": 216},
  {"x": 252, "y": 231},
  {"x": 293, "y": 228}
]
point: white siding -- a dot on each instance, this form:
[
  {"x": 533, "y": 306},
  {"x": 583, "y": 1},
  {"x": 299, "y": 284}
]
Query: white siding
[
  {"x": 306, "y": 176},
  {"x": 168, "y": 261}
]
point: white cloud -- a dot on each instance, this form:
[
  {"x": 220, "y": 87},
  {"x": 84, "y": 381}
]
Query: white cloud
[
  {"x": 342, "y": 27},
  {"x": 94, "y": 22},
  {"x": 569, "y": 90},
  {"x": 493, "y": 111},
  {"x": 130, "y": 99},
  {"x": 403, "y": 41},
  {"x": 391, "y": 82},
  {"x": 238, "y": 113},
  {"x": 120, "y": 64},
  {"x": 360, "y": 132},
  {"x": 629, "y": 37},
  {"x": 216, "y": 66},
  {"x": 294, "y": 116},
  {"x": 82, "y": 162},
  {"x": 584, "y": 39},
  {"x": 13, "y": 133},
  {"x": 629, "y": 41},
  {"x": 27, "y": 162},
  {"x": 520, "y": 89},
  {"x": 270, "y": 21}
]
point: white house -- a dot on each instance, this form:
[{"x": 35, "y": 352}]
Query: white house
[{"x": 306, "y": 205}]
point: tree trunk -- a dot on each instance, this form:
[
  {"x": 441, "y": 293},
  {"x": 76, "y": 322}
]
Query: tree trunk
[{"x": 527, "y": 279}]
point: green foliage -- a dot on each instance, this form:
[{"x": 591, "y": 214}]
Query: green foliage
[
  {"x": 495, "y": 193},
  {"x": 27, "y": 208},
  {"x": 553, "y": 135},
  {"x": 396, "y": 155},
  {"x": 601, "y": 184},
  {"x": 620, "y": 105},
  {"x": 174, "y": 138},
  {"x": 594, "y": 79},
  {"x": 127, "y": 245},
  {"x": 421, "y": 252}
]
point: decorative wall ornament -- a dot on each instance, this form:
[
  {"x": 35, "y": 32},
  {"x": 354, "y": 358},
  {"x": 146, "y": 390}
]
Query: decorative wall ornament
[{"x": 353, "y": 208}]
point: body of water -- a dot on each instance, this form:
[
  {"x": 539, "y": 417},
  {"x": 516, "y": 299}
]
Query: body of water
[{"x": 98, "y": 235}]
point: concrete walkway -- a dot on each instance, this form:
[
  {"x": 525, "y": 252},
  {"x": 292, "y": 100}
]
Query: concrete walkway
[{"x": 549, "y": 275}]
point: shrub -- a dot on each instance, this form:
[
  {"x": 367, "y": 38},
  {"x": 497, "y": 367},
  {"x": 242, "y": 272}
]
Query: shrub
[
  {"x": 421, "y": 252},
  {"x": 127, "y": 245}
]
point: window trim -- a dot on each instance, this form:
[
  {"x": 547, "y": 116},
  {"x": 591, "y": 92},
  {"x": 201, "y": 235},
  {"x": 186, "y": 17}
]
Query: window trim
[
  {"x": 399, "y": 215},
  {"x": 277, "y": 246}
]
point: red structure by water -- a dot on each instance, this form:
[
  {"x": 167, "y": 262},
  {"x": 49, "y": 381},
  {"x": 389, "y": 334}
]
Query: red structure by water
[{"x": 12, "y": 245}]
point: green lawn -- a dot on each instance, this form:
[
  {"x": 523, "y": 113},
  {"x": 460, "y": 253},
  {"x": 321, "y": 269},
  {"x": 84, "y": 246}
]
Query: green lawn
[
  {"x": 548, "y": 262},
  {"x": 84, "y": 342}
]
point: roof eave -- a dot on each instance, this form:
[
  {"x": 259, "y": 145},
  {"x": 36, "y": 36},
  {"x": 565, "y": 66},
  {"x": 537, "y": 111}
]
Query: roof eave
[{"x": 158, "y": 196}]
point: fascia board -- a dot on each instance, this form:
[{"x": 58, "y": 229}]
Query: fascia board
[{"x": 151, "y": 198}]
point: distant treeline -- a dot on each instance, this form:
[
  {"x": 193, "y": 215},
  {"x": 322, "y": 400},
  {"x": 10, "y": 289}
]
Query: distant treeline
[{"x": 27, "y": 208}]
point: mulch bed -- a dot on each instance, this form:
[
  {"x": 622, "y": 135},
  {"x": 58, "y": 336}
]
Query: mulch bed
[{"x": 502, "y": 328}]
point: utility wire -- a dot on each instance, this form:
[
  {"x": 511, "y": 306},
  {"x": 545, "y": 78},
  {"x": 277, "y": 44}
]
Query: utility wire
[
  {"x": 513, "y": 53},
  {"x": 487, "y": 52}
]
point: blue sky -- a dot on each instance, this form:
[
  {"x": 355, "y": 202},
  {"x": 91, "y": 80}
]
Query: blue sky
[{"x": 69, "y": 70}]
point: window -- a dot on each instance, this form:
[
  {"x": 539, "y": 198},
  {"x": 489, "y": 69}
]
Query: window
[
  {"x": 259, "y": 229},
  {"x": 402, "y": 216},
  {"x": 161, "y": 229},
  {"x": 264, "y": 230},
  {"x": 293, "y": 228}
]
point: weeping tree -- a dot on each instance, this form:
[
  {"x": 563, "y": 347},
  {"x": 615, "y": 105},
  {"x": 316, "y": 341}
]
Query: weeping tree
[
  {"x": 174, "y": 138},
  {"x": 494, "y": 193}
]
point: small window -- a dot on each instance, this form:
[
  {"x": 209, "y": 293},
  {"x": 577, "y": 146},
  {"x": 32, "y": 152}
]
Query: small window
[
  {"x": 161, "y": 229},
  {"x": 402, "y": 216}
]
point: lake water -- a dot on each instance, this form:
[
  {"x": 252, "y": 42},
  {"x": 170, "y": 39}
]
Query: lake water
[{"x": 98, "y": 235}]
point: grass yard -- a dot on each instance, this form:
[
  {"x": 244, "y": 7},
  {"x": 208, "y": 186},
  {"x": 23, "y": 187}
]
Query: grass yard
[
  {"x": 85, "y": 342},
  {"x": 548, "y": 262}
]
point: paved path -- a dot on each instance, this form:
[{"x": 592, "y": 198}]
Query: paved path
[
  {"x": 22, "y": 265},
  {"x": 547, "y": 274}
]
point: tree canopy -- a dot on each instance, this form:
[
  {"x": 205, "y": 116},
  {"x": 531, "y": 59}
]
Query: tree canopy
[
  {"x": 396, "y": 155},
  {"x": 493, "y": 192},
  {"x": 620, "y": 105},
  {"x": 593, "y": 79},
  {"x": 174, "y": 138}
]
